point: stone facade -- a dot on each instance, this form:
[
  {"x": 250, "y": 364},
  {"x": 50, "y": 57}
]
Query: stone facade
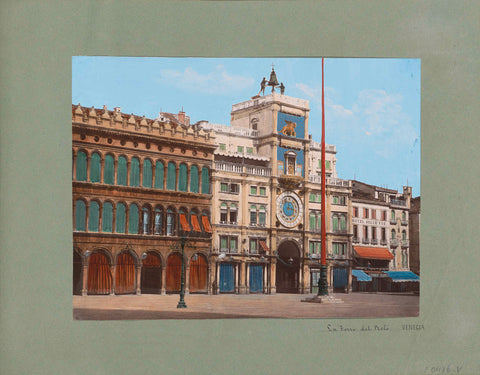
[{"x": 139, "y": 187}]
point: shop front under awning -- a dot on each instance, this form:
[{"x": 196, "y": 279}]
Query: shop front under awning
[
  {"x": 361, "y": 276},
  {"x": 402, "y": 276},
  {"x": 381, "y": 253}
]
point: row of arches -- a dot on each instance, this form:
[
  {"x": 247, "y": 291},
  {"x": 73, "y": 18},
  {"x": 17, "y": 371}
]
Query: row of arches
[
  {"x": 97, "y": 273},
  {"x": 135, "y": 218},
  {"x": 139, "y": 172}
]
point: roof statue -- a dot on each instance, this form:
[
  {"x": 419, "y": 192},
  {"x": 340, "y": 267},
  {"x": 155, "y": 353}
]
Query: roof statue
[{"x": 273, "y": 82}]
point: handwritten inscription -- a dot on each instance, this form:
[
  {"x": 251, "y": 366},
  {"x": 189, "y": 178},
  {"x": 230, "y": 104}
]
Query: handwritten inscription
[
  {"x": 449, "y": 369},
  {"x": 364, "y": 328}
]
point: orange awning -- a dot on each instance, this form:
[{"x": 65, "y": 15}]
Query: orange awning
[
  {"x": 264, "y": 246},
  {"x": 184, "y": 223},
  {"x": 206, "y": 224},
  {"x": 195, "y": 223},
  {"x": 373, "y": 252}
]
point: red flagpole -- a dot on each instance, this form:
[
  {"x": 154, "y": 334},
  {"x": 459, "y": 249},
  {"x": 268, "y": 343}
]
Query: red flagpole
[
  {"x": 322, "y": 282},
  {"x": 323, "y": 226}
]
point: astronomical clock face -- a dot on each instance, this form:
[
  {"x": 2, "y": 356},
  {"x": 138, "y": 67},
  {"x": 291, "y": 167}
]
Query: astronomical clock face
[{"x": 289, "y": 209}]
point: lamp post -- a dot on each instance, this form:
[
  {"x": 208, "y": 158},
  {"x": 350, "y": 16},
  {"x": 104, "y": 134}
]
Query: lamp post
[
  {"x": 322, "y": 281},
  {"x": 181, "y": 303}
]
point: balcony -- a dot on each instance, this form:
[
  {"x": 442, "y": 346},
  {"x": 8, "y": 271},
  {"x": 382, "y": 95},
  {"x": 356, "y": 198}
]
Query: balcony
[
  {"x": 355, "y": 240},
  {"x": 239, "y": 168},
  {"x": 393, "y": 243},
  {"x": 365, "y": 241},
  {"x": 258, "y": 171},
  {"x": 398, "y": 202},
  {"x": 405, "y": 243},
  {"x": 404, "y": 222},
  {"x": 383, "y": 242},
  {"x": 393, "y": 221},
  {"x": 374, "y": 241},
  {"x": 340, "y": 231}
]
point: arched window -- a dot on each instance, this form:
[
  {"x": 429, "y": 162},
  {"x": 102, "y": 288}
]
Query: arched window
[
  {"x": 343, "y": 222},
  {"x": 170, "y": 222},
  {"x": 194, "y": 179},
  {"x": 205, "y": 181},
  {"x": 146, "y": 220},
  {"x": 147, "y": 173},
  {"x": 122, "y": 171},
  {"x": 80, "y": 215},
  {"x": 81, "y": 166},
  {"x": 133, "y": 219},
  {"x": 107, "y": 217},
  {"x": 403, "y": 216},
  {"x": 394, "y": 235},
  {"x": 109, "y": 173},
  {"x": 290, "y": 159},
  {"x": 158, "y": 220},
  {"x": 182, "y": 178},
  {"x": 135, "y": 172},
  {"x": 95, "y": 168},
  {"x": 392, "y": 215},
  {"x": 404, "y": 235},
  {"x": 120, "y": 218},
  {"x": 262, "y": 216},
  {"x": 93, "y": 216},
  {"x": 335, "y": 223},
  {"x": 171, "y": 177},
  {"x": 253, "y": 215},
  {"x": 159, "y": 175}
]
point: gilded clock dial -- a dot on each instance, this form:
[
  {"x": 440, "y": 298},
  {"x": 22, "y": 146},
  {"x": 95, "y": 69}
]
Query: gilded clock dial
[{"x": 289, "y": 209}]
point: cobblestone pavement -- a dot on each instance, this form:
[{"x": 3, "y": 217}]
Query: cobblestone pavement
[{"x": 353, "y": 305}]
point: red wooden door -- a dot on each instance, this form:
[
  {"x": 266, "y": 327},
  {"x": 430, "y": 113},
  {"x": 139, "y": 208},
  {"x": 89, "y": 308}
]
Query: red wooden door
[
  {"x": 125, "y": 274},
  {"x": 174, "y": 272},
  {"x": 198, "y": 274},
  {"x": 99, "y": 275}
]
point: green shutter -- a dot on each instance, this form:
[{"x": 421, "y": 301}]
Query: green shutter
[
  {"x": 80, "y": 212},
  {"x": 95, "y": 168},
  {"x": 223, "y": 187},
  {"x": 343, "y": 223},
  {"x": 313, "y": 222},
  {"x": 327, "y": 164},
  {"x": 223, "y": 243},
  {"x": 205, "y": 181},
  {"x": 182, "y": 178},
  {"x": 263, "y": 191},
  {"x": 335, "y": 248},
  {"x": 135, "y": 172},
  {"x": 335, "y": 222},
  {"x": 109, "y": 173},
  {"x": 107, "y": 217},
  {"x": 262, "y": 215},
  {"x": 147, "y": 173},
  {"x": 122, "y": 171},
  {"x": 171, "y": 177},
  {"x": 81, "y": 166},
  {"x": 233, "y": 244},
  {"x": 120, "y": 219},
  {"x": 194, "y": 179},
  {"x": 93, "y": 216},
  {"x": 133, "y": 219},
  {"x": 159, "y": 175}
]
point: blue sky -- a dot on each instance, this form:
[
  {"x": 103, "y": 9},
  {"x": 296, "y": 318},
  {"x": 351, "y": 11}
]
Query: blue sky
[{"x": 372, "y": 106}]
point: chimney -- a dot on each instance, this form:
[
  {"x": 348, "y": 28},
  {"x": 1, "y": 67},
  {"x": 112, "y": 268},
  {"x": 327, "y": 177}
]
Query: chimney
[{"x": 181, "y": 117}]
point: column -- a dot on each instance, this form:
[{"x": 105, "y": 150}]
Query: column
[
  {"x": 74, "y": 165},
  {"x": 128, "y": 171},
  {"x": 188, "y": 176},
  {"x": 177, "y": 170},
  {"x": 102, "y": 169},
  {"x": 140, "y": 167},
  {"x": 154, "y": 173},
  {"x": 301, "y": 278},
  {"x": 84, "y": 276},
  {"x": 115, "y": 170},
  {"x": 187, "y": 279},
  {"x": 265, "y": 279},
  {"x": 236, "y": 277},
  {"x": 349, "y": 285},
  {"x": 100, "y": 215},
  {"x": 217, "y": 266},
  {"x": 113, "y": 269},
  {"x": 164, "y": 278},
  {"x": 165, "y": 173},
  {"x": 200, "y": 181},
  {"x": 242, "y": 272},
  {"x": 247, "y": 278},
  {"x": 88, "y": 168},
  {"x": 273, "y": 286},
  {"x": 138, "y": 274}
]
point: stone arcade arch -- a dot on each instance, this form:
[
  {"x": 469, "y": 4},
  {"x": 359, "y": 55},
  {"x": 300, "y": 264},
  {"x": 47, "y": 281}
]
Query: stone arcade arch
[
  {"x": 151, "y": 280},
  {"x": 198, "y": 274},
  {"x": 288, "y": 268}
]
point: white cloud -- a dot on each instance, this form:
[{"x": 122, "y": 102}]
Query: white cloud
[{"x": 217, "y": 81}]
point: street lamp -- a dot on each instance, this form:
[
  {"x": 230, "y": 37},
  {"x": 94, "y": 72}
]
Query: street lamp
[{"x": 181, "y": 246}]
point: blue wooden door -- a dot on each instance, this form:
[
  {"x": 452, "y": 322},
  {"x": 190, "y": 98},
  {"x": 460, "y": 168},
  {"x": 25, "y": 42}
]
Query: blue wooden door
[
  {"x": 227, "y": 278},
  {"x": 339, "y": 277},
  {"x": 256, "y": 278}
]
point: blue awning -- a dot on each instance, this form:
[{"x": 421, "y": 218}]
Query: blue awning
[
  {"x": 402, "y": 276},
  {"x": 361, "y": 276}
]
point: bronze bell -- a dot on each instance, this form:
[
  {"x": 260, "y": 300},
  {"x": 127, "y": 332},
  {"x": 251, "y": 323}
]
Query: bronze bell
[{"x": 273, "y": 79}]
